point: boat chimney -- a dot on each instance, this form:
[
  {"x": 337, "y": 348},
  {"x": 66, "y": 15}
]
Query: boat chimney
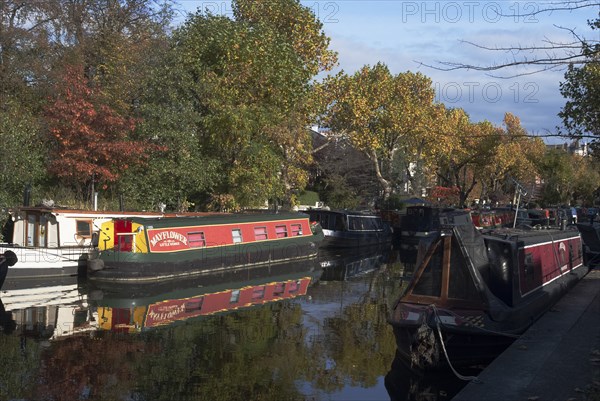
[{"x": 26, "y": 195}]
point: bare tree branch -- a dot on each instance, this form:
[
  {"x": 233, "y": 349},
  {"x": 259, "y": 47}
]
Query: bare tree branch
[{"x": 549, "y": 55}]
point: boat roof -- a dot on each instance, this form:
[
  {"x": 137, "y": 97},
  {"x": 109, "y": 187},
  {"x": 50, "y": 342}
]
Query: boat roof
[
  {"x": 81, "y": 212},
  {"x": 528, "y": 236},
  {"x": 213, "y": 219},
  {"x": 362, "y": 213}
]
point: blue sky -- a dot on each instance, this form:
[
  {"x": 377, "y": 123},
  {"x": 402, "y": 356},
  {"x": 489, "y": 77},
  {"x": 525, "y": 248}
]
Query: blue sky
[{"x": 404, "y": 34}]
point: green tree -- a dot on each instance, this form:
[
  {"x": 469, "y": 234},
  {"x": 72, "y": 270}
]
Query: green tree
[
  {"x": 568, "y": 178},
  {"x": 581, "y": 88},
  {"x": 250, "y": 89},
  {"x": 26, "y": 51},
  {"x": 559, "y": 177},
  {"x": 22, "y": 152}
]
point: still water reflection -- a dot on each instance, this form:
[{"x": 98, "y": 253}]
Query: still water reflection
[{"x": 310, "y": 331}]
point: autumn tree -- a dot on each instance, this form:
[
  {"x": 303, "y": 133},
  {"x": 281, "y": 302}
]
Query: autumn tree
[
  {"x": 384, "y": 115},
  {"x": 298, "y": 27},
  {"x": 469, "y": 148},
  {"x": 89, "y": 141},
  {"x": 515, "y": 155}
]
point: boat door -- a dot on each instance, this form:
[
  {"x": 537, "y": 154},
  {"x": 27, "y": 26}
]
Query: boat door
[{"x": 36, "y": 230}]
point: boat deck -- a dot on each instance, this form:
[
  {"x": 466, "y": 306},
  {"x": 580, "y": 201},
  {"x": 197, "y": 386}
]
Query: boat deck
[{"x": 558, "y": 358}]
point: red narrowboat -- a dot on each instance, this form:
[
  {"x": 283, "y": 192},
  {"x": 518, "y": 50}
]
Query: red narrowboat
[
  {"x": 474, "y": 292},
  {"x": 141, "y": 249}
]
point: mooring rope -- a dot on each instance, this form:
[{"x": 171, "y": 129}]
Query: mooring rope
[{"x": 473, "y": 379}]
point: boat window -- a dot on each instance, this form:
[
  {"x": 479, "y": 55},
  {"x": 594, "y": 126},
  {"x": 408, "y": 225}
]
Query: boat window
[
  {"x": 430, "y": 282},
  {"x": 281, "y": 231},
  {"x": 193, "y": 305},
  {"x": 258, "y": 292},
  {"x": 260, "y": 233},
  {"x": 323, "y": 219},
  {"x": 236, "y": 234},
  {"x": 84, "y": 228},
  {"x": 293, "y": 286},
  {"x": 279, "y": 289},
  {"x": 42, "y": 230},
  {"x": 372, "y": 223},
  {"x": 196, "y": 239},
  {"x": 529, "y": 266},
  {"x": 125, "y": 242},
  {"x": 296, "y": 230},
  {"x": 355, "y": 223},
  {"x": 461, "y": 284},
  {"x": 235, "y": 296}
]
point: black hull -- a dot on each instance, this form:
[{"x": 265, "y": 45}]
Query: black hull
[
  {"x": 403, "y": 384},
  {"x": 344, "y": 239},
  {"x": 464, "y": 350},
  {"x": 138, "y": 267}
]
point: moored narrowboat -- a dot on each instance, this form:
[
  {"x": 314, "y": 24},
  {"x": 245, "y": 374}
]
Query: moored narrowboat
[
  {"x": 52, "y": 243},
  {"x": 590, "y": 233},
  {"x": 350, "y": 229},
  {"x": 474, "y": 292},
  {"x": 421, "y": 223},
  {"x": 135, "y": 249}
]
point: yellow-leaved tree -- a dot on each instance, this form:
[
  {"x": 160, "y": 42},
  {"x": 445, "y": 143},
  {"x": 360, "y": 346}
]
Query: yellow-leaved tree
[{"x": 390, "y": 118}]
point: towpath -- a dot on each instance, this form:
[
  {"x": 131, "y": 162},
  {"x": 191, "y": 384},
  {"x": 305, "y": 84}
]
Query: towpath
[{"x": 558, "y": 358}]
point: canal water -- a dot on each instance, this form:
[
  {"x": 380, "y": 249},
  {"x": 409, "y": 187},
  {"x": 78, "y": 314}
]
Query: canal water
[{"x": 310, "y": 331}]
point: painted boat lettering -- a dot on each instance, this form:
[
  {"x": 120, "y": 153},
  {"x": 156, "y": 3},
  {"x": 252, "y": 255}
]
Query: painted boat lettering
[{"x": 168, "y": 239}]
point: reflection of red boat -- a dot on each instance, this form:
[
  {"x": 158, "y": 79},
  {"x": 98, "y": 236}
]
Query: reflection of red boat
[
  {"x": 475, "y": 291},
  {"x": 129, "y": 308}
]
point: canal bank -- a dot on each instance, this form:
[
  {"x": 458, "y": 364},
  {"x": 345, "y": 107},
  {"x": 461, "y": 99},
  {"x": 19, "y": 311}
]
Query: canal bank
[{"x": 558, "y": 358}]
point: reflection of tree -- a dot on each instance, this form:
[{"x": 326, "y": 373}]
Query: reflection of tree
[
  {"x": 237, "y": 356},
  {"x": 358, "y": 345},
  {"x": 80, "y": 367},
  {"x": 257, "y": 353},
  {"x": 20, "y": 361}
]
